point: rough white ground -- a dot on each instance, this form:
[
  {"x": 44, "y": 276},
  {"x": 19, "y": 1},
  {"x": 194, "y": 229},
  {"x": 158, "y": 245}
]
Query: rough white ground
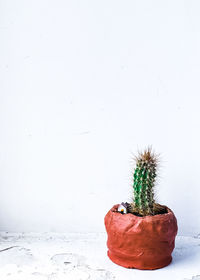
[{"x": 78, "y": 256}]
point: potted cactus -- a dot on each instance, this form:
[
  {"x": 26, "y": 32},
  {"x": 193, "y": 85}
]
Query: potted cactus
[{"x": 141, "y": 234}]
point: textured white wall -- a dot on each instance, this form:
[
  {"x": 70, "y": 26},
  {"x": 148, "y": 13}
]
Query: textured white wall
[{"x": 83, "y": 84}]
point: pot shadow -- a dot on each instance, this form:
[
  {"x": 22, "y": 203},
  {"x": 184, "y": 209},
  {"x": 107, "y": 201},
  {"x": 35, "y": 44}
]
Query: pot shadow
[{"x": 186, "y": 251}]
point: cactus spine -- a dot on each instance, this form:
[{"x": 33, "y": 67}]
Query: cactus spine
[{"x": 144, "y": 181}]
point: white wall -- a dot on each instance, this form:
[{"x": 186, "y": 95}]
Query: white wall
[{"x": 83, "y": 85}]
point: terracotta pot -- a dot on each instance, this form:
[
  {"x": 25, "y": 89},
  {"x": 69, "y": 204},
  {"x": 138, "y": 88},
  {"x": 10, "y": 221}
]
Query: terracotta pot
[{"x": 140, "y": 242}]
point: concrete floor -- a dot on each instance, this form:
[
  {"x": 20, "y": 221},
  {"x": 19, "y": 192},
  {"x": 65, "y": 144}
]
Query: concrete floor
[{"x": 51, "y": 256}]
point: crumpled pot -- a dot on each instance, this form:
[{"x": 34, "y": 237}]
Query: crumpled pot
[{"x": 140, "y": 242}]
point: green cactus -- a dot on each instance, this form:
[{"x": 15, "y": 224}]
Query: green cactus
[{"x": 143, "y": 182}]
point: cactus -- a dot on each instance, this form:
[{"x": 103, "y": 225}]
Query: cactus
[{"x": 143, "y": 183}]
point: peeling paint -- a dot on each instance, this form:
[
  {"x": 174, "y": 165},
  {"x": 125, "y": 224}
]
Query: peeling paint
[{"x": 79, "y": 256}]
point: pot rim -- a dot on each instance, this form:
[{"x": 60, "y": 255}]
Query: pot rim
[{"x": 114, "y": 211}]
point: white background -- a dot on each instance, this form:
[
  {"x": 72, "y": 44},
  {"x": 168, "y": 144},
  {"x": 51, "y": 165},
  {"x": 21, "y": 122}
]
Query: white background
[{"x": 83, "y": 85}]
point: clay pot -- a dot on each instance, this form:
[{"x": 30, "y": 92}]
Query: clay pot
[{"x": 140, "y": 242}]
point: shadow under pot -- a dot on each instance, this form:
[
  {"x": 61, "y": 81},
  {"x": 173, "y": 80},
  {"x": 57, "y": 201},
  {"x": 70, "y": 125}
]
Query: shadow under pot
[{"x": 140, "y": 242}]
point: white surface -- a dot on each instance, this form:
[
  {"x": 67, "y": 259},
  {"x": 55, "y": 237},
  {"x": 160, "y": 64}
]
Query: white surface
[
  {"x": 83, "y": 256},
  {"x": 83, "y": 84}
]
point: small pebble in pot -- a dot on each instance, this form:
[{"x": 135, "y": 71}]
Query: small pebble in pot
[{"x": 122, "y": 209}]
